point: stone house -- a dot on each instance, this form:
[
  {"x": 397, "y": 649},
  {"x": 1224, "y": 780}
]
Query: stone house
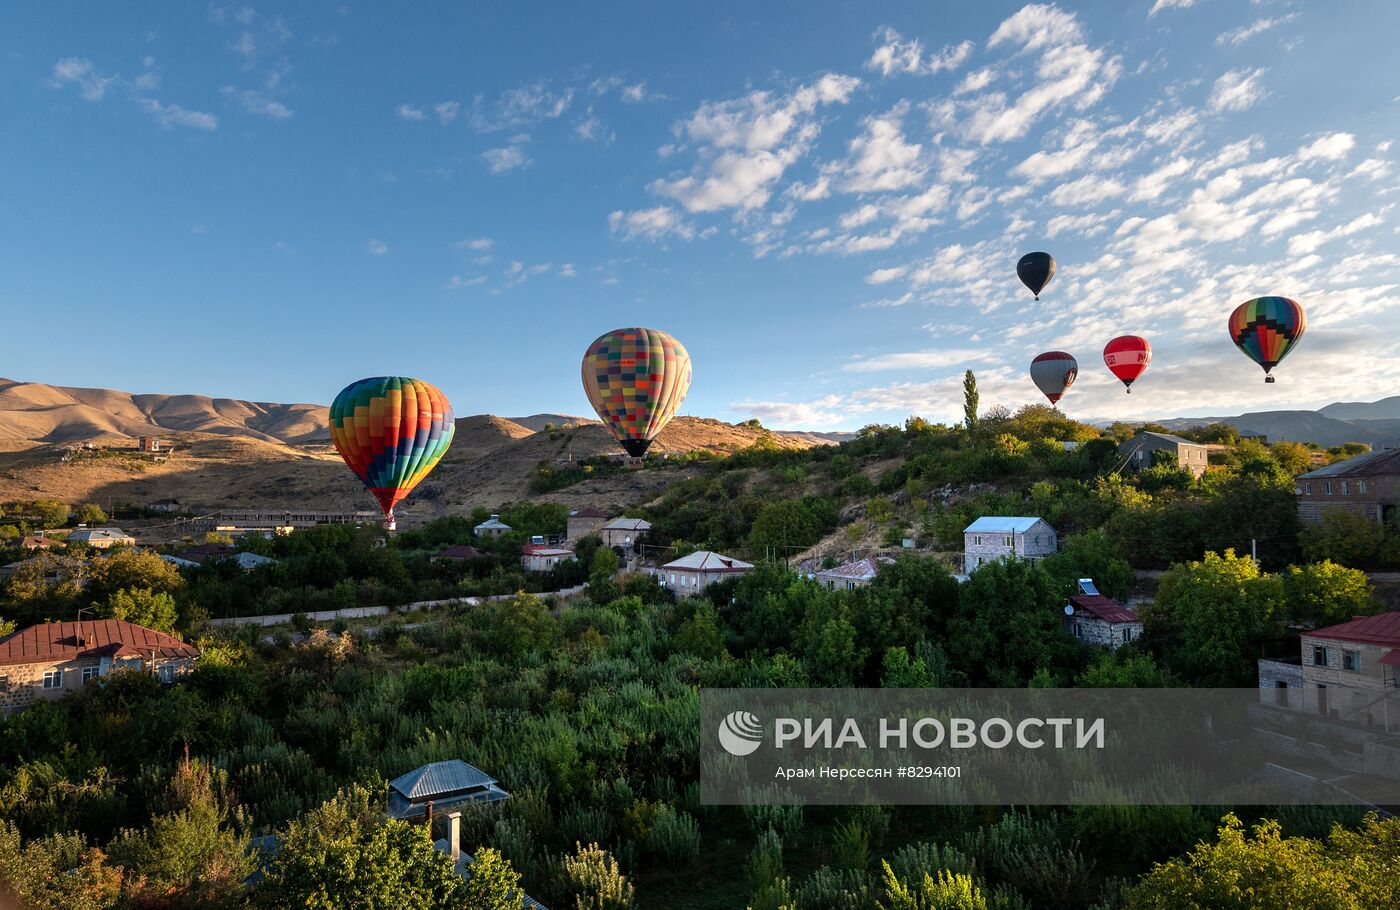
[
  {"x": 994, "y": 537},
  {"x": 624, "y": 533},
  {"x": 851, "y": 575},
  {"x": 583, "y": 522},
  {"x": 1140, "y": 451},
  {"x": 692, "y": 574},
  {"x": 102, "y": 538},
  {"x": 535, "y": 557},
  {"x": 50, "y": 660},
  {"x": 492, "y": 527},
  {"x": 1348, "y": 672},
  {"x": 1367, "y": 485},
  {"x": 1098, "y": 620}
]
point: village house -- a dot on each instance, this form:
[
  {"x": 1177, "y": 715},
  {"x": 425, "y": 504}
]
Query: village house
[
  {"x": 539, "y": 557},
  {"x": 102, "y": 538},
  {"x": 439, "y": 786},
  {"x": 492, "y": 527},
  {"x": 583, "y": 522},
  {"x": 39, "y": 542},
  {"x": 56, "y": 567},
  {"x": 50, "y": 660},
  {"x": 1348, "y": 672},
  {"x": 207, "y": 552},
  {"x": 692, "y": 574},
  {"x": 851, "y": 575},
  {"x": 250, "y": 561},
  {"x": 460, "y": 553},
  {"x": 994, "y": 537},
  {"x": 1098, "y": 620},
  {"x": 167, "y": 506},
  {"x": 624, "y": 533},
  {"x": 1140, "y": 451},
  {"x": 1367, "y": 485}
]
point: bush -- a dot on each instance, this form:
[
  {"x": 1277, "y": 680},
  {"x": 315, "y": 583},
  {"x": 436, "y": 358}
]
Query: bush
[
  {"x": 674, "y": 836},
  {"x": 595, "y": 880}
]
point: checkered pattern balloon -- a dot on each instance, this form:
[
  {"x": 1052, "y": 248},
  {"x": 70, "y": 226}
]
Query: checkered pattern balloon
[{"x": 636, "y": 380}]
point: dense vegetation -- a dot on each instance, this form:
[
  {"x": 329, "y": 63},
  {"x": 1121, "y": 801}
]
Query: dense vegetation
[{"x": 134, "y": 794}]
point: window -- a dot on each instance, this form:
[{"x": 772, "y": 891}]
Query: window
[
  {"x": 1351, "y": 660},
  {"x": 1319, "y": 656},
  {"x": 1307, "y": 488},
  {"x": 977, "y": 541},
  {"x": 1327, "y": 488},
  {"x": 1008, "y": 542},
  {"x": 167, "y": 673},
  {"x": 1078, "y": 630},
  {"x": 1361, "y": 486},
  {"x": 90, "y": 673},
  {"x": 1346, "y": 487},
  {"x": 53, "y": 679},
  {"x": 4, "y": 683}
]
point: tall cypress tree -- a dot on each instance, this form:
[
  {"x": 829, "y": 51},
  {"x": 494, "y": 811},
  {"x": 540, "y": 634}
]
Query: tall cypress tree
[{"x": 970, "y": 400}]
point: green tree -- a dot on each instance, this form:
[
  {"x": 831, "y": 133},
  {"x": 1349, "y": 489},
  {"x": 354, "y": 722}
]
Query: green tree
[
  {"x": 90, "y": 513},
  {"x": 52, "y": 513},
  {"x": 1211, "y": 617},
  {"x": 130, "y": 570},
  {"x": 1325, "y": 593},
  {"x": 948, "y": 891},
  {"x": 1094, "y": 555},
  {"x": 519, "y": 625},
  {"x": 492, "y": 884},
  {"x": 345, "y": 856},
  {"x": 1009, "y": 624},
  {"x": 596, "y": 881},
  {"x": 1294, "y": 457},
  {"x": 142, "y": 606},
  {"x": 1263, "y": 870},
  {"x": 1349, "y": 538},
  {"x": 970, "y": 400},
  {"x": 56, "y": 873}
]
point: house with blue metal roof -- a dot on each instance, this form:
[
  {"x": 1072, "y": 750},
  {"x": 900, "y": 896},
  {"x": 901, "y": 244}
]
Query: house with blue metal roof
[
  {"x": 994, "y": 537},
  {"x": 439, "y": 786}
]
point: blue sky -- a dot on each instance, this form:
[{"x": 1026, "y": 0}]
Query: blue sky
[{"x": 825, "y": 204}]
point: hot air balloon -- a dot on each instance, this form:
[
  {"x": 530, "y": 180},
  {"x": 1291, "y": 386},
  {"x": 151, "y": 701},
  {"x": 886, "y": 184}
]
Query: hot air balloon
[
  {"x": 392, "y": 431},
  {"x": 1127, "y": 356},
  {"x": 1053, "y": 373},
  {"x": 636, "y": 379},
  {"x": 1035, "y": 271},
  {"x": 1266, "y": 329}
]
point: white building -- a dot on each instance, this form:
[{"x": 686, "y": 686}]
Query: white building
[
  {"x": 492, "y": 527},
  {"x": 994, "y": 537},
  {"x": 693, "y": 573},
  {"x": 542, "y": 558},
  {"x": 102, "y": 538}
]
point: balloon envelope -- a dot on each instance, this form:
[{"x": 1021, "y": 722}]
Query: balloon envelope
[
  {"x": 392, "y": 431},
  {"x": 1053, "y": 373},
  {"x": 1266, "y": 329},
  {"x": 1035, "y": 271},
  {"x": 1127, "y": 356},
  {"x": 636, "y": 379}
]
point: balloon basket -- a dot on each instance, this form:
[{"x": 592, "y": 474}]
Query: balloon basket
[{"x": 1268, "y": 379}]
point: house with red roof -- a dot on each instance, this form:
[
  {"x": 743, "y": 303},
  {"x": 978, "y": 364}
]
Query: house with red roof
[
  {"x": 1350, "y": 671},
  {"x": 1096, "y": 619},
  {"x": 50, "y": 660}
]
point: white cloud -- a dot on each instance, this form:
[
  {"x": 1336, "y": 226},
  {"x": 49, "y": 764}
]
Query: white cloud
[
  {"x": 1087, "y": 225},
  {"x": 880, "y": 157},
  {"x": 522, "y": 107},
  {"x": 567, "y": 270},
  {"x": 1302, "y": 244},
  {"x": 635, "y": 94},
  {"x": 1077, "y": 145},
  {"x": 257, "y": 103},
  {"x": 476, "y": 243},
  {"x": 168, "y": 115},
  {"x": 1237, "y": 89},
  {"x": 1038, "y": 25},
  {"x": 885, "y": 276},
  {"x": 92, "y": 85},
  {"x": 447, "y": 111},
  {"x": 1237, "y": 36},
  {"x": 1087, "y": 190},
  {"x": 409, "y": 112},
  {"x": 592, "y": 129},
  {"x": 917, "y": 360},
  {"x": 1169, "y": 4},
  {"x": 457, "y": 281},
  {"x": 976, "y": 80},
  {"x": 505, "y": 158},
  {"x": 895, "y": 55},
  {"x": 1150, "y": 186},
  {"x": 650, "y": 224},
  {"x": 377, "y": 247},
  {"x": 1331, "y": 147}
]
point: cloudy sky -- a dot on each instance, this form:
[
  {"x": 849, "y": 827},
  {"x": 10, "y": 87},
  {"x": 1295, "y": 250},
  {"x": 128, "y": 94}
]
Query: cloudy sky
[{"x": 824, "y": 203}]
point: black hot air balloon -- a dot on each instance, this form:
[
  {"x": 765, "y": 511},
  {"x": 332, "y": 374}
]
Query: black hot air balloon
[{"x": 1035, "y": 271}]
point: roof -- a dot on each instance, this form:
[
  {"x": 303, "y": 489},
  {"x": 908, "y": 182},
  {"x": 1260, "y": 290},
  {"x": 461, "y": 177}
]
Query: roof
[
  {"x": 180, "y": 563},
  {"x": 86, "y": 535},
  {"x": 1168, "y": 437},
  {"x": 39, "y": 543},
  {"x": 450, "y": 776},
  {"x": 166, "y": 502},
  {"x": 461, "y": 551},
  {"x": 1386, "y": 461},
  {"x": 1105, "y": 608},
  {"x": 628, "y": 524},
  {"x": 208, "y": 549},
  {"x": 1382, "y": 629},
  {"x": 252, "y": 560},
  {"x": 706, "y": 561},
  {"x": 53, "y": 641},
  {"x": 493, "y": 522},
  {"x": 588, "y": 513},
  {"x": 539, "y": 549},
  {"x": 992, "y": 524},
  {"x": 1391, "y": 658},
  {"x": 859, "y": 570}
]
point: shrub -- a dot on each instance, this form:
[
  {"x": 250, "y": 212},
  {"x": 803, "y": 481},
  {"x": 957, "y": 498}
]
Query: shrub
[{"x": 596, "y": 881}]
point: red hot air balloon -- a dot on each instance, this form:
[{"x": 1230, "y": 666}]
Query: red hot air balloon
[
  {"x": 1053, "y": 373},
  {"x": 1127, "y": 356}
]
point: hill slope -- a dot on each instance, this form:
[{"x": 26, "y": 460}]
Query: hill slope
[{"x": 1323, "y": 427}]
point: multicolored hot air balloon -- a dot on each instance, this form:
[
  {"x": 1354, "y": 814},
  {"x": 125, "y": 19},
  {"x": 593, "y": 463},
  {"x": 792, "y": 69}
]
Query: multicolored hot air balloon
[
  {"x": 636, "y": 380},
  {"x": 1035, "y": 271},
  {"x": 1127, "y": 356},
  {"x": 1266, "y": 329},
  {"x": 1053, "y": 373},
  {"x": 392, "y": 431}
]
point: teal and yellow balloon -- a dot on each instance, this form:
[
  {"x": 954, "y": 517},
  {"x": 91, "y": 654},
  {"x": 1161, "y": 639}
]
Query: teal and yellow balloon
[
  {"x": 392, "y": 431},
  {"x": 1265, "y": 329}
]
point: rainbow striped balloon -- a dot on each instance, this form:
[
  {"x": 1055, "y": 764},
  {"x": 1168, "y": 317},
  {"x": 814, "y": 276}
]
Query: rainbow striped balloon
[
  {"x": 636, "y": 379},
  {"x": 392, "y": 431},
  {"x": 1266, "y": 329}
]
